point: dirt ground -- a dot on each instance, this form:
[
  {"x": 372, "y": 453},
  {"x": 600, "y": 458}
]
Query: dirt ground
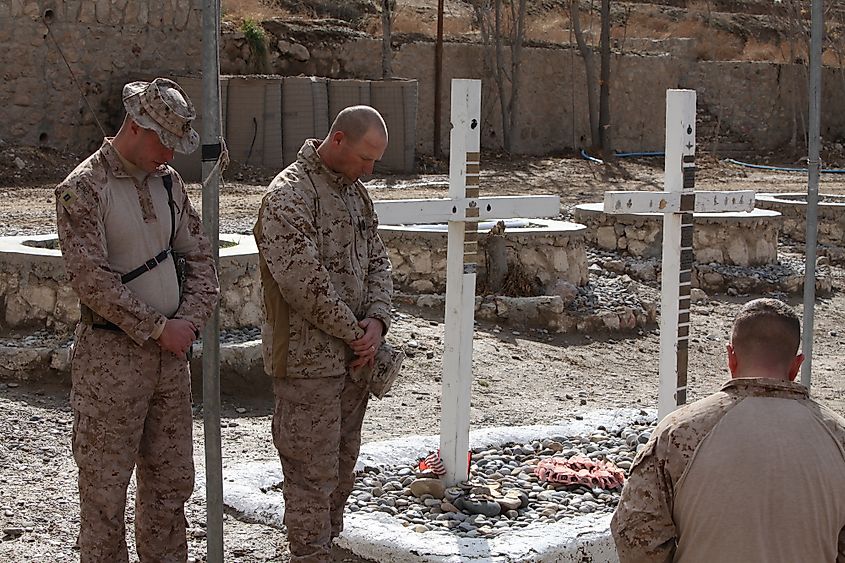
[{"x": 520, "y": 376}]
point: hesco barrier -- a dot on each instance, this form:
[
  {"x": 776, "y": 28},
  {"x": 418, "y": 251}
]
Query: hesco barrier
[
  {"x": 397, "y": 102},
  {"x": 190, "y": 165},
  {"x": 305, "y": 113},
  {"x": 267, "y": 118}
]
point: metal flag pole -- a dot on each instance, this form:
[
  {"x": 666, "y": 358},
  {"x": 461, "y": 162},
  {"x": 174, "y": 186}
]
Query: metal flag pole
[
  {"x": 212, "y": 150},
  {"x": 813, "y": 168}
]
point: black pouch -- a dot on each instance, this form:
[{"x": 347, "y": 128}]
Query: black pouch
[
  {"x": 181, "y": 270},
  {"x": 178, "y": 261}
]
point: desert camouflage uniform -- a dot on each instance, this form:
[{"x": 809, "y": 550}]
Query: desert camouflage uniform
[
  {"x": 131, "y": 399},
  {"x": 752, "y": 474},
  {"x": 323, "y": 268}
]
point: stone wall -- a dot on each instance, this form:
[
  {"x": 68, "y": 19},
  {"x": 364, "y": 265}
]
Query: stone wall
[
  {"x": 34, "y": 294},
  {"x": 419, "y": 256},
  {"x": 766, "y": 103},
  {"x": 106, "y": 43},
  {"x": 793, "y": 208},
  {"x": 758, "y": 103},
  {"x": 732, "y": 238}
]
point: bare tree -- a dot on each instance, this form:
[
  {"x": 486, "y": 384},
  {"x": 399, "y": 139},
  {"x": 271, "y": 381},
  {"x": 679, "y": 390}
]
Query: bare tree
[
  {"x": 387, "y": 9},
  {"x": 604, "y": 83},
  {"x": 505, "y": 29},
  {"x": 589, "y": 70},
  {"x": 797, "y": 38}
]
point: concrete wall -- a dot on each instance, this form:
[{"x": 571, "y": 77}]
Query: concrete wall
[{"x": 108, "y": 42}]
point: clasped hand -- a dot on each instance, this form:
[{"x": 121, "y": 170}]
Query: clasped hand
[
  {"x": 178, "y": 336},
  {"x": 365, "y": 347}
]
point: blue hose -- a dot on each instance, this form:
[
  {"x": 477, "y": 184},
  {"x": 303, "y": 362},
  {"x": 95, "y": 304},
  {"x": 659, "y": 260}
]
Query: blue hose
[
  {"x": 781, "y": 168},
  {"x": 635, "y": 154},
  {"x": 587, "y": 156}
]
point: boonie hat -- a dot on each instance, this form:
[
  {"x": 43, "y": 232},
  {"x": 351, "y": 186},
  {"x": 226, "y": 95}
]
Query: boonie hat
[{"x": 161, "y": 105}]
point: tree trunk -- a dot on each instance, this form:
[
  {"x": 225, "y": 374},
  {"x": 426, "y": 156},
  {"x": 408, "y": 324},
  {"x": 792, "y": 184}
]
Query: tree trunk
[
  {"x": 506, "y": 75},
  {"x": 499, "y": 72},
  {"x": 589, "y": 70},
  {"x": 497, "y": 258},
  {"x": 604, "y": 84},
  {"x": 482, "y": 10},
  {"x": 386, "y": 32},
  {"x": 516, "y": 59}
]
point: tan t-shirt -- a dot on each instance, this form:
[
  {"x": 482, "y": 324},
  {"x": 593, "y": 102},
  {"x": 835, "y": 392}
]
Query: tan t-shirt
[
  {"x": 752, "y": 474},
  {"x": 110, "y": 222}
]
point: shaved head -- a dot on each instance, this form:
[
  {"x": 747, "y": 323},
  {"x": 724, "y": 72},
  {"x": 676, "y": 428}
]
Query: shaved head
[
  {"x": 357, "y": 140},
  {"x": 766, "y": 333},
  {"x": 356, "y": 121}
]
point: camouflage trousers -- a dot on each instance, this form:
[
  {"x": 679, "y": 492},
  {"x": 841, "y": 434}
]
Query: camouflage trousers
[
  {"x": 132, "y": 409},
  {"x": 317, "y": 430}
]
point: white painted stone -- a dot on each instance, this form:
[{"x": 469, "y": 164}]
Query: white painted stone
[
  {"x": 421, "y": 261},
  {"x": 709, "y": 254}
]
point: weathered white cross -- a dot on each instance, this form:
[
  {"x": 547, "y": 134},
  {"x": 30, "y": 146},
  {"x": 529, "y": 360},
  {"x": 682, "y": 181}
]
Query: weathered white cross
[
  {"x": 462, "y": 210},
  {"x": 677, "y": 203}
]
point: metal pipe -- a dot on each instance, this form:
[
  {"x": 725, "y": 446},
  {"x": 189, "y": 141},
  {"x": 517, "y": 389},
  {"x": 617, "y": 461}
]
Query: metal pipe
[
  {"x": 438, "y": 79},
  {"x": 813, "y": 166},
  {"x": 211, "y": 148}
]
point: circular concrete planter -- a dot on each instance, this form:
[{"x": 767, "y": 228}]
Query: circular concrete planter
[
  {"x": 34, "y": 293},
  {"x": 546, "y": 250},
  {"x": 793, "y": 207},
  {"x": 736, "y": 238}
]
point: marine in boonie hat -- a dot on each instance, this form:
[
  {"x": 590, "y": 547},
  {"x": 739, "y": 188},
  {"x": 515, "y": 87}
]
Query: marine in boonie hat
[{"x": 162, "y": 105}]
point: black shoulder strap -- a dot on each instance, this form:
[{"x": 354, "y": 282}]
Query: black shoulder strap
[{"x": 168, "y": 185}]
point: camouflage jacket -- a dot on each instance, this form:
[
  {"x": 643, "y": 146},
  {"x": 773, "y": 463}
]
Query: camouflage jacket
[
  {"x": 323, "y": 268},
  {"x": 110, "y": 223},
  {"x": 754, "y": 473}
]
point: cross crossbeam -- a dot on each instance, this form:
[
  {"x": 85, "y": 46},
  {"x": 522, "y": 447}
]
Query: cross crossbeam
[
  {"x": 670, "y": 202},
  {"x": 424, "y": 211}
]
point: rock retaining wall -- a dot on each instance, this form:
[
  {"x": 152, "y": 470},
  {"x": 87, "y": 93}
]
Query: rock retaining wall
[
  {"x": 553, "y": 112},
  {"x": 740, "y": 239},
  {"x": 554, "y": 251},
  {"x": 108, "y": 42},
  {"x": 34, "y": 293},
  {"x": 793, "y": 208}
]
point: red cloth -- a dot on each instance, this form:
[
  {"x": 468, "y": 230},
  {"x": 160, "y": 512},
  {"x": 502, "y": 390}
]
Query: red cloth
[{"x": 579, "y": 470}]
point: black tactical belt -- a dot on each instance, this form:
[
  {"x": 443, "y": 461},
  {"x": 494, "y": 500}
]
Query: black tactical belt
[
  {"x": 146, "y": 266},
  {"x": 106, "y": 326}
]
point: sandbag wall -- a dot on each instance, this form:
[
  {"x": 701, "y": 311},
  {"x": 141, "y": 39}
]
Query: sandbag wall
[
  {"x": 190, "y": 165},
  {"x": 267, "y": 118}
]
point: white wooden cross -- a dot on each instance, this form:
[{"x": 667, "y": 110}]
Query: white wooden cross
[
  {"x": 462, "y": 210},
  {"x": 677, "y": 204}
]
